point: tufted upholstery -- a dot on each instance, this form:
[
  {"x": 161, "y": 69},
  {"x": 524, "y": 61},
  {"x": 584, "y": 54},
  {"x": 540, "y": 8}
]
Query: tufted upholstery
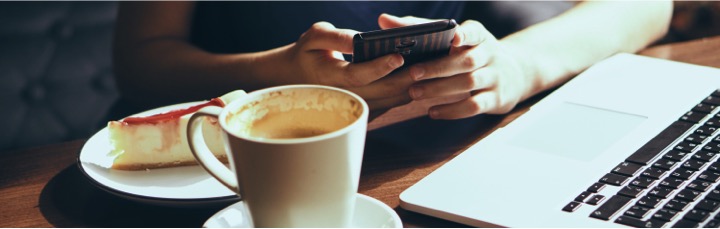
[{"x": 56, "y": 80}]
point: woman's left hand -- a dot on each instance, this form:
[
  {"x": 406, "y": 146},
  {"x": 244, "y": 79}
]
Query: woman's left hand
[{"x": 478, "y": 65}]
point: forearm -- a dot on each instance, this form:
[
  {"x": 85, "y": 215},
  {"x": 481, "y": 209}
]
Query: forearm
[
  {"x": 553, "y": 51},
  {"x": 171, "y": 70},
  {"x": 155, "y": 62}
]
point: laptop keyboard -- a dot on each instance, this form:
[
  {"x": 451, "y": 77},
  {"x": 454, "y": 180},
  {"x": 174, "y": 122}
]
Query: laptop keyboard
[{"x": 671, "y": 181}]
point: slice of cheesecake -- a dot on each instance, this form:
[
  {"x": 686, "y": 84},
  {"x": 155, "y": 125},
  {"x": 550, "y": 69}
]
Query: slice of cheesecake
[{"x": 160, "y": 141}]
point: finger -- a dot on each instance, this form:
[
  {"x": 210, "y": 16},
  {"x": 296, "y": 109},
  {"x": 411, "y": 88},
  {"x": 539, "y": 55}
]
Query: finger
[
  {"x": 461, "y": 83},
  {"x": 470, "y": 33},
  {"x": 388, "y": 21},
  {"x": 361, "y": 74},
  {"x": 461, "y": 61},
  {"x": 479, "y": 103},
  {"x": 391, "y": 85},
  {"x": 324, "y": 36}
]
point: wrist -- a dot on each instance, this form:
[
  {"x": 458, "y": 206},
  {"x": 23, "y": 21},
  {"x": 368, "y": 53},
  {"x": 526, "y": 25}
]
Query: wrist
[
  {"x": 266, "y": 68},
  {"x": 526, "y": 66}
]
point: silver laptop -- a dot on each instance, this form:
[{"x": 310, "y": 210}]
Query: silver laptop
[{"x": 629, "y": 142}]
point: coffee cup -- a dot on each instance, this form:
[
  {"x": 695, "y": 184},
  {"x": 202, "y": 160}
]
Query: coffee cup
[{"x": 294, "y": 153}]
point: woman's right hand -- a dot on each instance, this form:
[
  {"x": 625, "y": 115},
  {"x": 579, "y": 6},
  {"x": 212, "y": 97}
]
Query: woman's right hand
[{"x": 316, "y": 58}]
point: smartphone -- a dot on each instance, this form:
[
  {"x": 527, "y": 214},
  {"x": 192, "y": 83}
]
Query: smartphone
[{"x": 416, "y": 43}]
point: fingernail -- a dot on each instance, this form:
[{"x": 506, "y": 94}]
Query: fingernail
[
  {"x": 417, "y": 72},
  {"x": 457, "y": 41},
  {"x": 434, "y": 113},
  {"x": 395, "y": 61},
  {"x": 389, "y": 15},
  {"x": 416, "y": 92}
]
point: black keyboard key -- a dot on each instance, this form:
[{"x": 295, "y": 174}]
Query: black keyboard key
[
  {"x": 614, "y": 179},
  {"x": 572, "y": 206},
  {"x": 704, "y": 156},
  {"x": 686, "y": 146},
  {"x": 665, "y": 164},
  {"x": 696, "y": 138},
  {"x": 631, "y": 191},
  {"x": 677, "y": 204},
  {"x": 596, "y": 187},
  {"x": 716, "y": 93},
  {"x": 706, "y": 130},
  {"x": 711, "y": 100},
  {"x": 582, "y": 197},
  {"x": 713, "y": 195},
  {"x": 654, "y": 173},
  {"x": 627, "y": 169},
  {"x": 686, "y": 224},
  {"x": 595, "y": 200},
  {"x": 712, "y": 224},
  {"x": 635, "y": 222},
  {"x": 697, "y": 215},
  {"x": 610, "y": 207},
  {"x": 712, "y": 147},
  {"x": 653, "y": 147},
  {"x": 688, "y": 194},
  {"x": 709, "y": 176},
  {"x": 693, "y": 164},
  {"x": 637, "y": 211},
  {"x": 672, "y": 182},
  {"x": 666, "y": 215},
  {"x": 649, "y": 201},
  {"x": 661, "y": 192},
  {"x": 643, "y": 182},
  {"x": 699, "y": 185},
  {"x": 708, "y": 205},
  {"x": 715, "y": 167},
  {"x": 713, "y": 121},
  {"x": 676, "y": 155},
  {"x": 704, "y": 108},
  {"x": 653, "y": 223},
  {"x": 682, "y": 173},
  {"x": 693, "y": 117}
]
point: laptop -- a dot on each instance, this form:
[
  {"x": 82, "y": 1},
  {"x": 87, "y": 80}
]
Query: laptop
[{"x": 631, "y": 141}]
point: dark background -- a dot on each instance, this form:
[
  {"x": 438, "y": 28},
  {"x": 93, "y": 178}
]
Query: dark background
[{"x": 56, "y": 77}]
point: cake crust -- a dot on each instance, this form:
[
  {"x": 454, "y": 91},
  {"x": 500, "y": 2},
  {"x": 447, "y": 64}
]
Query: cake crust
[{"x": 159, "y": 165}]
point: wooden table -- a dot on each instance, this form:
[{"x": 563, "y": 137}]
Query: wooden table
[{"x": 42, "y": 186}]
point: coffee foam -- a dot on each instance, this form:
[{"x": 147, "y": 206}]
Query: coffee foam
[{"x": 294, "y": 113}]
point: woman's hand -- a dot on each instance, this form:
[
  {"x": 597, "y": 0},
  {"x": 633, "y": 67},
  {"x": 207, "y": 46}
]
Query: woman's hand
[
  {"x": 316, "y": 58},
  {"x": 478, "y": 65}
]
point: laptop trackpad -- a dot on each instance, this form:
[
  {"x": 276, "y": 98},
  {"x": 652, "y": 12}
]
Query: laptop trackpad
[{"x": 577, "y": 131}]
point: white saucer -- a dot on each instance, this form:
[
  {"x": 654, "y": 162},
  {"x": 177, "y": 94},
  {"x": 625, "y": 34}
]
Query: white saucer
[
  {"x": 188, "y": 186},
  {"x": 369, "y": 213}
]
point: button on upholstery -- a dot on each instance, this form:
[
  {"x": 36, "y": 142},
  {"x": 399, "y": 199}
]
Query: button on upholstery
[
  {"x": 104, "y": 82},
  {"x": 62, "y": 31},
  {"x": 35, "y": 93}
]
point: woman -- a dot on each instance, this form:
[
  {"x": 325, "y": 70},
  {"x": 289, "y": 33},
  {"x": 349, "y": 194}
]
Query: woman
[{"x": 180, "y": 51}]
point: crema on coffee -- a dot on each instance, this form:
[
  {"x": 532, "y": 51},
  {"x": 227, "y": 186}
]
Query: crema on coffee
[{"x": 297, "y": 113}]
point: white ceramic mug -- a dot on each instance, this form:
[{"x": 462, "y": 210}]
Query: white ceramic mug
[{"x": 290, "y": 179}]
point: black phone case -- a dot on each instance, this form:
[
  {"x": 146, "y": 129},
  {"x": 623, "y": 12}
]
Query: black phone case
[{"x": 416, "y": 43}]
